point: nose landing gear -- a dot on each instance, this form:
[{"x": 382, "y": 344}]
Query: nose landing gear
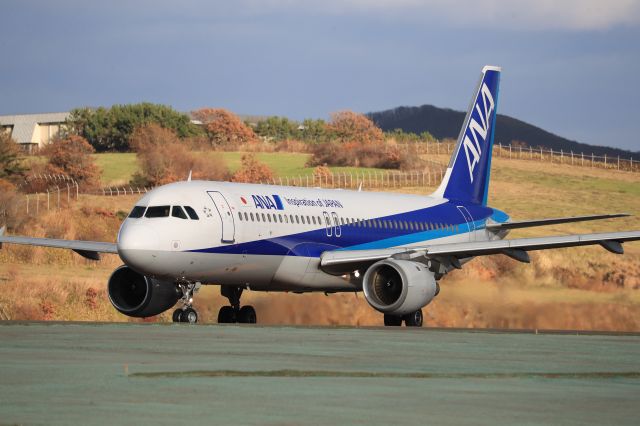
[
  {"x": 187, "y": 313},
  {"x": 235, "y": 313}
]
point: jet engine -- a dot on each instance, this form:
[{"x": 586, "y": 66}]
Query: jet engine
[
  {"x": 399, "y": 287},
  {"x": 136, "y": 295}
]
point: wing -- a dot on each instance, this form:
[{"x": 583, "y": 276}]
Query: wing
[
  {"x": 343, "y": 261},
  {"x": 89, "y": 249},
  {"x": 554, "y": 221}
]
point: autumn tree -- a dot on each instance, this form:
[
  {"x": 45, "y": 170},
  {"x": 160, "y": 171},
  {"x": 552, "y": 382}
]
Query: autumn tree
[
  {"x": 349, "y": 126},
  {"x": 165, "y": 158},
  {"x": 252, "y": 171},
  {"x": 71, "y": 156},
  {"x": 224, "y": 127},
  {"x": 10, "y": 158}
]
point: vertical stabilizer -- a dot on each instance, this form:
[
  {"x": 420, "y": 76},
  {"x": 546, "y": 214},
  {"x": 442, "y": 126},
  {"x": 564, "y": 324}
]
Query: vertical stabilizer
[{"x": 467, "y": 176}]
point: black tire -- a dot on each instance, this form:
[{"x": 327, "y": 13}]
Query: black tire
[
  {"x": 226, "y": 315},
  {"x": 177, "y": 315},
  {"x": 414, "y": 319},
  {"x": 392, "y": 320},
  {"x": 189, "y": 315},
  {"x": 247, "y": 315}
]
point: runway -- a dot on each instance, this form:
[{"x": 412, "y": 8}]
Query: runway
[{"x": 86, "y": 373}]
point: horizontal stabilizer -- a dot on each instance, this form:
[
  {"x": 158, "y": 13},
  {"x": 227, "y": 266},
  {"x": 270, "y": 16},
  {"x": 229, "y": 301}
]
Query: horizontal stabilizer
[{"x": 553, "y": 221}]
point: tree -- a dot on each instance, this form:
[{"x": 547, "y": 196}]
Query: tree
[
  {"x": 348, "y": 126},
  {"x": 277, "y": 128},
  {"x": 252, "y": 171},
  {"x": 71, "y": 156},
  {"x": 10, "y": 158},
  {"x": 164, "y": 158},
  {"x": 224, "y": 127},
  {"x": 313, "y": 130},
  {"x": 110, "y": 129}
]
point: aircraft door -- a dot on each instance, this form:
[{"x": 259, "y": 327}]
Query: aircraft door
[
  {"x": 327, "y": 224},
  {"x": 226, "y": 216},
  {"x": 471, "y": 227},
  {"x": 336, "y": 223}
]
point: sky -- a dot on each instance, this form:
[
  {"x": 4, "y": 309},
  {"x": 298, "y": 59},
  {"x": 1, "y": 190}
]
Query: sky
[{"x": 571, "y": 67}]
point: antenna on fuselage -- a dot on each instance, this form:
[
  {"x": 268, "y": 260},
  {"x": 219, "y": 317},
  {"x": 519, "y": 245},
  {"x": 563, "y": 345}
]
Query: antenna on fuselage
[{"x": 189, "y": 178}]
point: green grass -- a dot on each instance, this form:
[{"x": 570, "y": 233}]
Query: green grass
[{"x": 118, "y": 168}]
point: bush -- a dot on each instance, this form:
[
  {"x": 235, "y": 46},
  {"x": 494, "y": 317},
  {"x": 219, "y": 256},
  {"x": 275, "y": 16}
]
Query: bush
[
  {"x": 252, "y": 171},
  {"x": 10, "y": 158},
  {"x": 71, "y": 156},
  {"x": 164, "y": 158},
  {"x": 349, "y": 126},
  {"x": 224, "y": 127},
  {"x": 358, "y": 154}
]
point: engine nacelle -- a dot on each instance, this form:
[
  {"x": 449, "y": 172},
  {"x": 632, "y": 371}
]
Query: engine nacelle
[
  {"x": 136, "y": 295},
  {"x": 398, "y": 287}
]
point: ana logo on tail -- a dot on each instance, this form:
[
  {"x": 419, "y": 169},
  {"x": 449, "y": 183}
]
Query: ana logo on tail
[{"x": 472, "y": 148}]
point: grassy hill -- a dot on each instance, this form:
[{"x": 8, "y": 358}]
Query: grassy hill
[
  {"x": 581, "y": 288},
  {"x": 118, "y": 168},
  {"x": 445, "y": 123}
]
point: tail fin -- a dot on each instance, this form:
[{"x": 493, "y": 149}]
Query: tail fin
[{"x": 467, "y": 177}]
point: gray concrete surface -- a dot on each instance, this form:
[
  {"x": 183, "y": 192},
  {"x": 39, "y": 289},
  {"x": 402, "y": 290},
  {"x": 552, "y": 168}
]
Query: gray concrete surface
[{"x": 56, "y": 373}]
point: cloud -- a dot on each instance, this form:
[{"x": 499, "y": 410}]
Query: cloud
[{"x": 571, "y": 15}]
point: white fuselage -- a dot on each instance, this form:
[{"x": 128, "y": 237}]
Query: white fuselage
[{"x": 267, "y": 237}]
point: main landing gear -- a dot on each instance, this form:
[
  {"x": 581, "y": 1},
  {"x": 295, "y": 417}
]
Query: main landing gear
[
  {"x": 235, "y": 313},
  {"x": 413, "y": 319},
  {"x": 187, "y": 313}
]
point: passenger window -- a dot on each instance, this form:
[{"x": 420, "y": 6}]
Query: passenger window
[
  {"x": 280, "y": 217},
  {"x": 314, "y": 219},
  {"x": 264, "y": 219},
  {"x": 191, "y": 212},
  {"x": 137, "y": 212},
  {"x": 257, "y": 217},
  {"x": 157, "y": 211},
  {"x": 268, "y": 217},
  {"x": 251, "y": 215},
  {"x": 297, "y": 219},
  {"x": 239, "y": 215},
  {"x": 302, "y": 219},
  {"x": 246, "y": 216},
  {"x": 176, "y": 211}
]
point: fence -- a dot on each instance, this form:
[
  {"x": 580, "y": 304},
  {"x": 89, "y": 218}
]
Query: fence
[{"x": 543, "y": 155}]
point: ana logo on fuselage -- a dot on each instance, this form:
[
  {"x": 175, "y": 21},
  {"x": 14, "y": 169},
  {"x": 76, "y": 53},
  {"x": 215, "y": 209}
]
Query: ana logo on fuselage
[
  {"x": 266, "y": 202},
  {"x": 473, "y": 149}
]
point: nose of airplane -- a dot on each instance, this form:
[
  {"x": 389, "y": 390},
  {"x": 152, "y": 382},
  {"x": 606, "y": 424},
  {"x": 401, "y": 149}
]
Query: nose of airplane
[{"x": 136, "y": 245}]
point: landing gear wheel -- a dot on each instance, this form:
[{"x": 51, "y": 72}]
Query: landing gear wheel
[
  {"x": 392, "y": 320},
  {"x": 189, "y": 315},
  {"x": 226, "y": 315},
  {"x": 177, "y": 314},
  {"x": 247, "y": 315},
  {"x": 414, "y": 319}
]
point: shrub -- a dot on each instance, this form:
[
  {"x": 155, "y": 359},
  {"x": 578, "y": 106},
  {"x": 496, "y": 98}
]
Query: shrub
[
  {"x": 71, "y": 156},
  {"x": 164, "y": 158},
  {"x": 358, "y": 154},
  {"x": 10, "y": 158},
  {"x": 252, "y": 171},
  {"x": 349, "y": 126},
  {"x": 224, "y": 127}
]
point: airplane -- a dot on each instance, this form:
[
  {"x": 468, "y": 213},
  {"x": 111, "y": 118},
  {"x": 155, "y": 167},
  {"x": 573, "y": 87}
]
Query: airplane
[{"x": 395, "y": 248}]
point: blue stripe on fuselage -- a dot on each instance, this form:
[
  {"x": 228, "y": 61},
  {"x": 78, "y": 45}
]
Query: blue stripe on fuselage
[{"x": 314, "y": 243}]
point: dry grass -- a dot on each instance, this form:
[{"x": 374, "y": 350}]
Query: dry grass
[{"x": 581, "y": 288}]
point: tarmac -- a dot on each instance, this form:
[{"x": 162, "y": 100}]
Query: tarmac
[{"x": 88, "y": 373}]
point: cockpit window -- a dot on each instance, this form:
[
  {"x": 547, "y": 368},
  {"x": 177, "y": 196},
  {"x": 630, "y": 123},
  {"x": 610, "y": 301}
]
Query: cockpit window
[
  {"x": 176, "y": 211},
  {"x": 137, "y": 212},
  {"x": 191, "y": 212},
  {"x": 157, "y": 211}
]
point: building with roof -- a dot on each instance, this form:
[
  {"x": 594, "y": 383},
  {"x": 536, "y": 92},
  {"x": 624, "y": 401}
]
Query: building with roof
[{"x": 33, "y": 131}]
